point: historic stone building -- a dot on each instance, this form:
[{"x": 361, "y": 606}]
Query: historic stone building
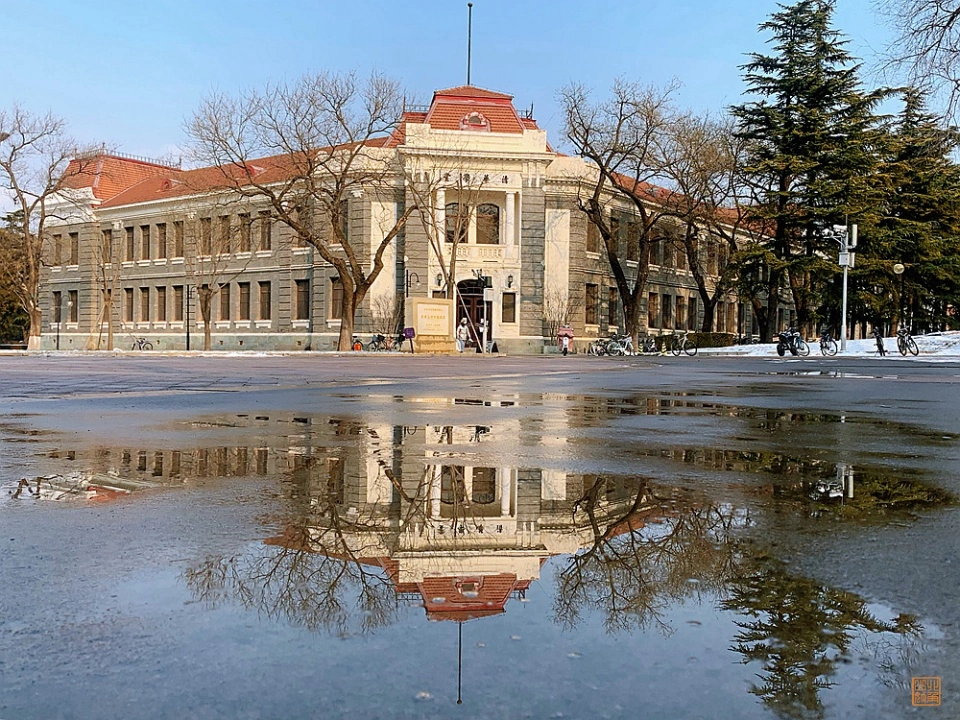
[{"x": 141, "y": 238}]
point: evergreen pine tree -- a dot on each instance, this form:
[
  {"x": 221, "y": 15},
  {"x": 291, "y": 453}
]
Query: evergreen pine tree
[{"x": 811, "y": 153}]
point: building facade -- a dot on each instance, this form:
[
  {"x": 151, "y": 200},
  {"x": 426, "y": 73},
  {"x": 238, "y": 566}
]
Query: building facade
[{"x": 142, "y": 239}]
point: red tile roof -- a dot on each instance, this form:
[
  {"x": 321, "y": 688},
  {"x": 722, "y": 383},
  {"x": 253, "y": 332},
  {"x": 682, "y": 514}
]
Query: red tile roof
[
  {"x": 106, "y": 175},
  {"x": 443, "y": 599}
]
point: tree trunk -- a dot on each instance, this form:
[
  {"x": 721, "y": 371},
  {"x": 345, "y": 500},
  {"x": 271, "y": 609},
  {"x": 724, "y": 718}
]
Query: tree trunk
[
  {"x": 36, "y": 328},
  {"x": 709, "y": 312}
]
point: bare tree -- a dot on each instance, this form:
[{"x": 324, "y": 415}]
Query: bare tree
[
  {"x": 927, "y": 43},
  {"x": 622, "y": 136},
  {"x": 35, "y": 153},
  {"x": 452, "y": 192},
  {"x": 559, "y": 308},
  {"x": 306, "y": 150},
  {"x": 107, "y": 259},
  {"x": 704, "y": 158},
  {"x": 213, "y": 242}
]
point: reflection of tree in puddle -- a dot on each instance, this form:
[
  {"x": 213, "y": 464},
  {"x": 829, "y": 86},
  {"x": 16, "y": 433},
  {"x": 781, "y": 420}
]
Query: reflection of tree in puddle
[
  {"x": 800, "y": 630},
  {"x": 647, "y": 559}
]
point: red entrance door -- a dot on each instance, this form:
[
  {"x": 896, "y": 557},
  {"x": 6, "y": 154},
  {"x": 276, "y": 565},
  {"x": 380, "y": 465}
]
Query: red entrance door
[{"x": 470, "y": 305}]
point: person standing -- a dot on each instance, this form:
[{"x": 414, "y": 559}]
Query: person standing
[{"x": 463, "y": 332}]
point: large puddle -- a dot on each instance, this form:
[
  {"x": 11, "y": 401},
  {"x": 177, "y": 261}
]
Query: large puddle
[{"x": 417, "y": 566}]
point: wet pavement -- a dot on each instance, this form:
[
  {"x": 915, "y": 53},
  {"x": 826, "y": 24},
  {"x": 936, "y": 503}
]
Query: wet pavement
[{"x": 422, "y": 537}]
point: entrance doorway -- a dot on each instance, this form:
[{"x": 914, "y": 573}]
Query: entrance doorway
[{"x": 471, "y": 305}]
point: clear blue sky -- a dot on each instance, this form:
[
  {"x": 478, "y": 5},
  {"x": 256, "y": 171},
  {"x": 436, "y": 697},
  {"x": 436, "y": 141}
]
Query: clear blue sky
[{"x": 128, "y": 73}]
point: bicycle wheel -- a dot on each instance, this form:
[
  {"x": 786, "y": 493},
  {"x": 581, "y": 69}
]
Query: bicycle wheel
[
  {"x": 690, "y": 348},
  {"x": 675, "y": 347},
  {"x": 828, "y": 347},
  {"x": 148, "y": 345},
  {"x": 912, "y": 346},
  {"x": 902, "y": 344},
  {"x": 781, "y": 349},
  {"x": 802, "y": 348},
  {"x": 614, "y": 348},
  {"x": 135, "y": 346}
]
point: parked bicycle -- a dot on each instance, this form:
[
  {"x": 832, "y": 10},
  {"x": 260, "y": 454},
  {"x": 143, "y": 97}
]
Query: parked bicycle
[
  {"x": 620, "y": 345},
  {"x": 378, "y": 343},
  {"x": 878, "y": 336},
  {"x": 141, "y": 343},
  {"x": 828, "y": 346},
  {"x": 598, "y": 347},
  {"x": 905, "y": 342},
  {"x": 356, "y": 343},
  {"x": 791, "y": 340},
  {"x": 683, "y": 344}
]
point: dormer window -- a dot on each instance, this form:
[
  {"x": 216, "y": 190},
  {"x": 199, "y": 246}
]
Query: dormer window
[{"x": 475, "y": 121}]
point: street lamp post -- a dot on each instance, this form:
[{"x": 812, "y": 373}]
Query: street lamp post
[
  {"x": 846, "y": 237},
  {"x": 409, "y": 276},
  {"x": 59, "y": 318},
  {"x": 898, "y": 269}
]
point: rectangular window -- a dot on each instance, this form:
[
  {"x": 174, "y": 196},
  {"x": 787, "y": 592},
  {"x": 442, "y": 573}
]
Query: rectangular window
[
  {"x": 161, "y": 304},
  {"x": 178, "y": 239},
  {"x": 682, "y": 256},
  {"x": 633, "y": 240},
  {"x": 206, "y": 236},
  {"x": 131, "y": 249},
  {"x": 656, "y": 251},
  {"x": 653, "y": 310},
  {"x": 73, "y": 306},
  {"x": 266, "y": 230},
  {"x": 591, "y": 314},
  {"x": 509, "y": 305},
  {"x": 144, "y": 242},
  {"x": 244, "y": 230},
  {"x": 243, "y": 293},
  {"x": 128, "y": 303},
  {"x": 613, "y": 307},
  {"x": 303, "y": 300},
  {"x": 58, "y": 250},
  {"x": 106, "y": 245},
  {"x": 720, "y": 321},
  {"x": 74, "y": 248},
  {"x": 593, "y": 237},
  {"x": 615, "y": 235},
  {"x": 178, "y": 303},
  {"x": 667, "y": 260},
  {"x": 336, "y": 299},
  {"x": 680, "y": 312},
  {"x": 57, "y": 306},
  {"x": 224, "y": 301},
  {"x": 666, "y": 311},
  {"x": 711, "y": 258},
  {"x": 692, "y": 313},
  {"x": 224, "y": 237},
  {"x": 145, "y": 304},
  {"x": 264, "y": 300},
  {"x": 161, "y": 240}
]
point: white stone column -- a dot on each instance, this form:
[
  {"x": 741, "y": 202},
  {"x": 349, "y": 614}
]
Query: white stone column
[
  {"x": 510, "y": 225},
  {"x": 435, "y": 492}
]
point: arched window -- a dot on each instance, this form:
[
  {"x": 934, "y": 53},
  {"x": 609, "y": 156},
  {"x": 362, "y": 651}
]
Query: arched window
[
  {"x": 456, "y": 222},
  {"x": 488, "y": 224}
]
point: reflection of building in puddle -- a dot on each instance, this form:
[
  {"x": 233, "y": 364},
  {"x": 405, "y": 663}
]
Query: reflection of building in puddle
[{"x": 452, "y": 531}]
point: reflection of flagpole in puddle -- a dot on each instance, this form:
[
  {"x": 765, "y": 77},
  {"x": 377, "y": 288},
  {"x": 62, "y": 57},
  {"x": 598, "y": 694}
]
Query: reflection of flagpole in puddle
[{"x": 459, "y": 661}]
